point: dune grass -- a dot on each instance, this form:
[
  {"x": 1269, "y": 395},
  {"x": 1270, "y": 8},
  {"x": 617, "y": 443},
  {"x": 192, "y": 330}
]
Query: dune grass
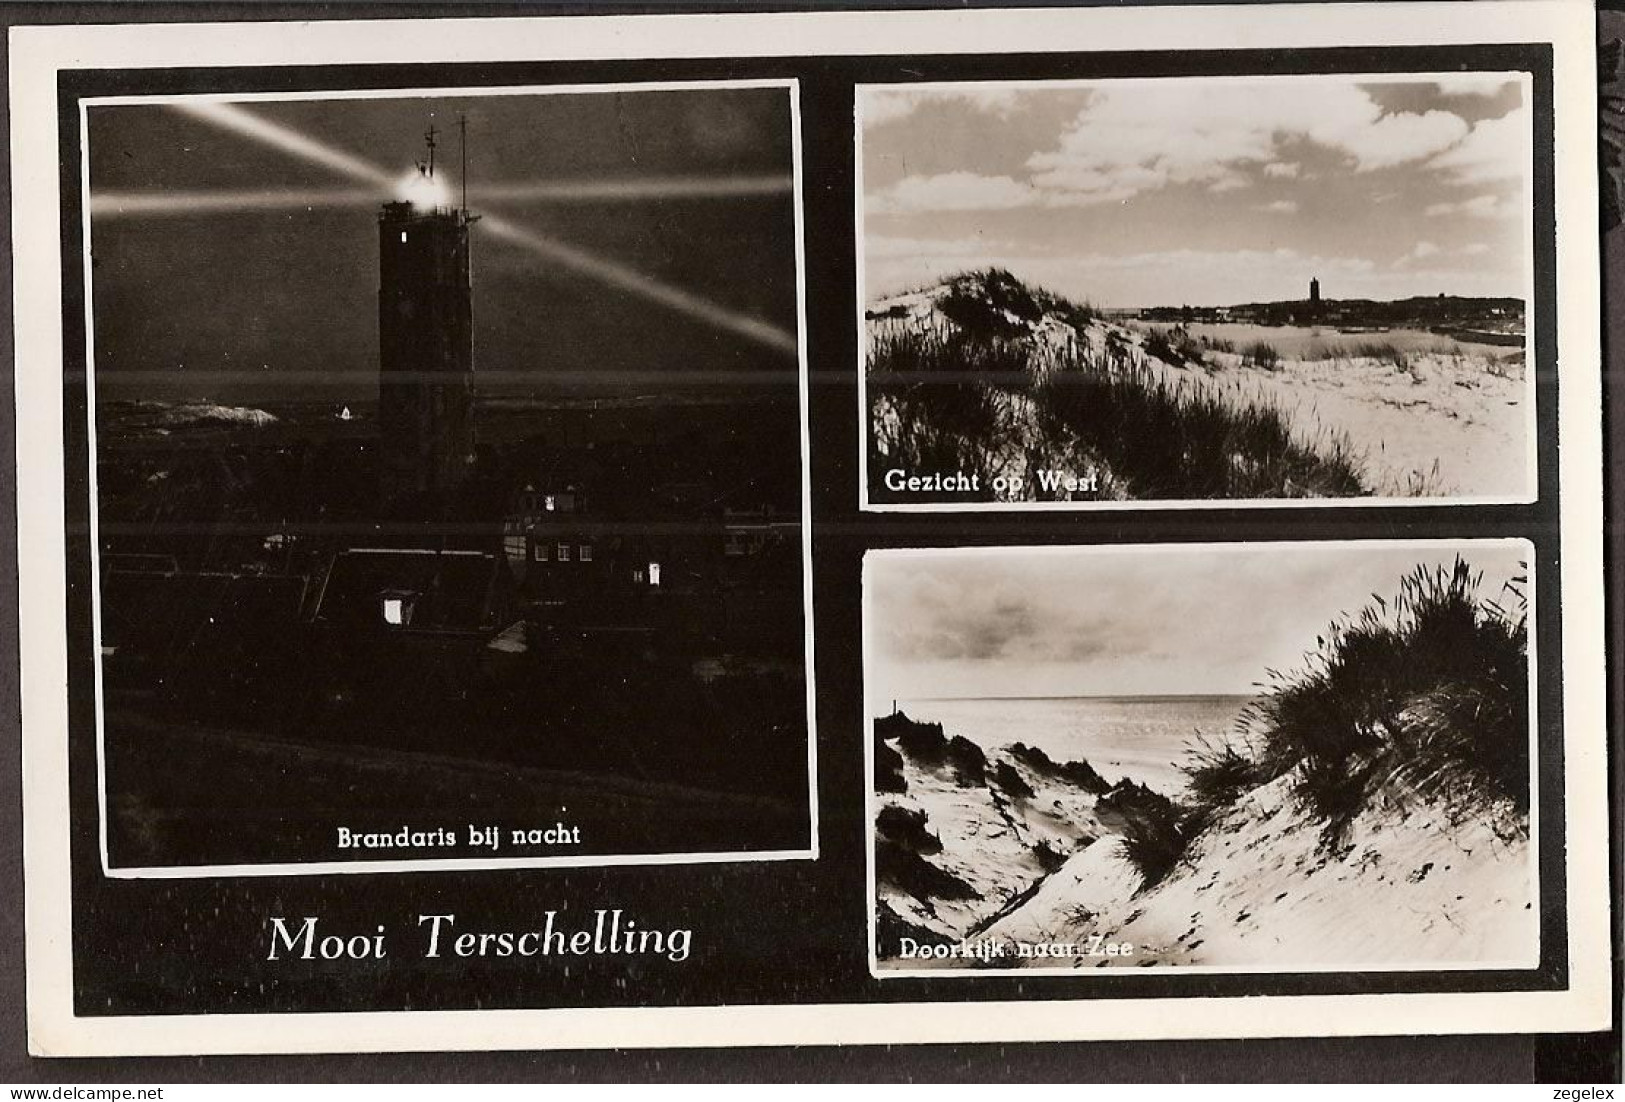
[
  {"x": 1262, "y": 354},
  {"x": 1220, "y": 770},
  {"x": 1185, "y": 439},
  {"x": 1175, "y": 347},
  {"x": 1384, "y": 352},
  {"x": 994, "y": 303},
  {"x": 1155, "y": 831},
  {"x": 1422, "y": 697},
  {"x": 940, "y": 404},
  {"x": 948, "y": 401}
]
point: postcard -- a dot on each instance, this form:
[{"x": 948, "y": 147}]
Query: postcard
[{"x": 810, "y": 528}]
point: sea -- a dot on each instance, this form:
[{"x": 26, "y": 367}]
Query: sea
[{"x": 1142, "y": 738}]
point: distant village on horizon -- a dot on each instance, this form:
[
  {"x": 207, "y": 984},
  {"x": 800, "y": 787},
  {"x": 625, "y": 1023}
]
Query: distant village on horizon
[{"x": 1485, "y": 320}]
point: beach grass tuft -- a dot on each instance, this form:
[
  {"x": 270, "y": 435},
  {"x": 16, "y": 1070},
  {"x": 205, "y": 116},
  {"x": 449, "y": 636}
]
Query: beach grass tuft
[
  {"x": 1419, "y": 698},
  {"x": 1422, "y": 697},
  {"x": 1154, "y": 829}
]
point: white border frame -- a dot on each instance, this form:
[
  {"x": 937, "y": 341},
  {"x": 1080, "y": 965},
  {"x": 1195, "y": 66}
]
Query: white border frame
[
  {"x": 427, "y": 864},
  {"x": 38, "y": 53},
  {"x": 1531, "y": 471},
  {"x": 1085, "y": 552}
]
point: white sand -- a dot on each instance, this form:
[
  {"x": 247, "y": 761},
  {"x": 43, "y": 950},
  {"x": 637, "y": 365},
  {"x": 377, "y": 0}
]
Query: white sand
[
  {"x": 1408, "y": 889},
  {"x": 1457, "y": 425}
]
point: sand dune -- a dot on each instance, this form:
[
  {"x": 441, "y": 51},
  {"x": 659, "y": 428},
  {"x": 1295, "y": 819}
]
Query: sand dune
[
  {"x": 1262, "y": 887},
  {"x": 1406, "y": 888}
]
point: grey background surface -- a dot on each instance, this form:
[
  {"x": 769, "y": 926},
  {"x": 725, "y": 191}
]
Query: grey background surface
[{"x": 1424, "y": 1059}]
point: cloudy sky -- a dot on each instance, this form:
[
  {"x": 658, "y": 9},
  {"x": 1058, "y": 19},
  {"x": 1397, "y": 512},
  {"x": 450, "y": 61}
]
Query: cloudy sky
[
  {"x": 1136, "y": 622},
  {"x": 1202, "y": 191},
  {"x": 637, "y": 230}
]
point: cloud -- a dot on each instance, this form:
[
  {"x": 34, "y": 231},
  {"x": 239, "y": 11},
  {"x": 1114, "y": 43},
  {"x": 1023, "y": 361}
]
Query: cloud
[
  {"x": 1281, "y": 206},
  {"x": 1136, "y": 137},
  {"x": 970, "y": 629},
  {"x": 1147, "y": 136},
  {"x": 982, "y": 612},
  {"x": 1481, "y": 206},
  {"x": 882, "y": 245},
  {"x": 880, "y": 106},
  {"x": 951, "y": 191},
  {"x": 1473, "y": 84},
  {"x": 1097, "y": 621},
  {"x": 1497, "y": 149},
  {"x": 1397, "y": 139},
  {"x": 1421, "y": 252}
]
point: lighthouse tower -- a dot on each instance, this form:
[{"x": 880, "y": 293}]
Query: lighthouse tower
[
  {"x": 425, "y": 340},
  {"x": 1314, "y": 291}
]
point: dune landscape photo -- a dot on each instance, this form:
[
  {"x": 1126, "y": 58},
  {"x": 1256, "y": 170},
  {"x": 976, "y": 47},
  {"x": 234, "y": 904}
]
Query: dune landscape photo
[
  {"x": 1095, "y": 758},
  {"x": 1259, "y": 288}
]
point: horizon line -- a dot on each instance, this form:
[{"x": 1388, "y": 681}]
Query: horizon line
[{"x": 1254, "y": 691}]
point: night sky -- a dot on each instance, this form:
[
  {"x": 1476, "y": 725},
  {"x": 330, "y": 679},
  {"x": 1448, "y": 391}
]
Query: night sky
[{"x": 229, "y": 265}]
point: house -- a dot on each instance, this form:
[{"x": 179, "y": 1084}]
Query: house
[
  {"x": 399, "y": 632},
  {"x": 413, "y": 590}
]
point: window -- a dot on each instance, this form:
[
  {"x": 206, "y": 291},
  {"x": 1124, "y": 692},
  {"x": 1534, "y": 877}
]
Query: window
[
  {"x": 540, "y": 553},
  {"x": 654, "y": 573},
  {"x": 398, "y": 611},
  {"x": 403, "y": 237},
  {"x": 564, "y": 552},
  {"x": 637, "y": 576},
  {"x": 549, "y": 503},
  {"x": 584, "y": 552}
]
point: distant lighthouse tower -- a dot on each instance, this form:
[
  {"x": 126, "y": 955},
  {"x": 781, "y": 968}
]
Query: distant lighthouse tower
[
  {"x": 1314, "y": 292},
  {"x": 425, "y": 337}
]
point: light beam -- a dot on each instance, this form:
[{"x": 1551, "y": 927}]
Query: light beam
[
  {"x": 616, "y": 275},
  {"x": 651, "y": 187},
  {"x": 116, "y": 204},
  {"x": 233, "y": 118},
  {"x": 125, "y": 204}
]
